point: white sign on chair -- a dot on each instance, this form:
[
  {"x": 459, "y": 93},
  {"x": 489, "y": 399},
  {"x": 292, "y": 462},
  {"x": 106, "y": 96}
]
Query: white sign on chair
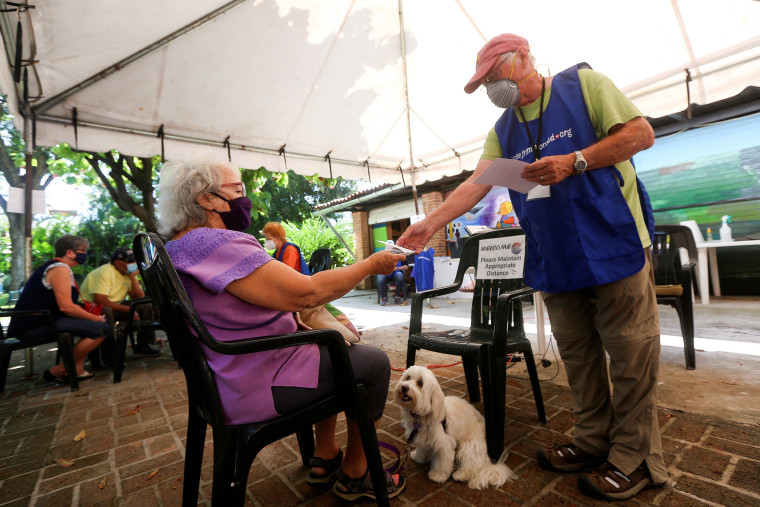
[{"x": 501, "y": 258}]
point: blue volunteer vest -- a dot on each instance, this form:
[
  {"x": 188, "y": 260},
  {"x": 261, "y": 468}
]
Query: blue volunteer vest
[
  {"x": 304, "y": 267},
  {"x": 584, "y": 234},
  {"x": 424, "y": 270}
]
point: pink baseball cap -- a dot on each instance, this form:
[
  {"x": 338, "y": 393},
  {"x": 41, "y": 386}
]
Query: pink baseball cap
[{"x": 499, "y": 45}]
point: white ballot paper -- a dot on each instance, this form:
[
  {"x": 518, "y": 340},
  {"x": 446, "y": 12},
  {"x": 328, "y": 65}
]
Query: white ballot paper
[
  {"x": 392, "y": 247},
  {"x": 505, "y": 172}
]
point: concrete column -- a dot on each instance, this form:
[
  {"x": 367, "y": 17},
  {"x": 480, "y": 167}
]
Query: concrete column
[
  {"x": 362, "y": 242},
  {"x": 430, "y": 202}
]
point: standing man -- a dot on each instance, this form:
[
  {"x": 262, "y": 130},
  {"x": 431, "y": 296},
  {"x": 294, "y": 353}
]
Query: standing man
[
  {"x": 588, "y": 227},
  {"x": 109, "y": 286}
]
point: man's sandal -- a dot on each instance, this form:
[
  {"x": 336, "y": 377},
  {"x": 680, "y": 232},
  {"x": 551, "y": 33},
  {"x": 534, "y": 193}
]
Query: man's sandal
[
  {"x": 330, "y": 467},
  {"x": 362, "y": 488}
]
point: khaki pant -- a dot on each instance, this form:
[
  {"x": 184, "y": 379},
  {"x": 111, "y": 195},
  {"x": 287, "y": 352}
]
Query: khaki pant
[{"x": 620, "y": 318}]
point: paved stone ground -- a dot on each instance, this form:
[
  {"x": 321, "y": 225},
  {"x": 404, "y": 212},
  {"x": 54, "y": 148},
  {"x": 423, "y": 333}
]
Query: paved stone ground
[{"x": 134, "y": 432}]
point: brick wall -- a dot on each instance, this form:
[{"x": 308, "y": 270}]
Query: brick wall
[
  {"x": 430, "y": 202},
  {"x": 362, "y": 242}
]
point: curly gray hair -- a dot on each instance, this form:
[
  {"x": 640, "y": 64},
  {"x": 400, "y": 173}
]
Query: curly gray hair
[{"x": 181, "y": 182}]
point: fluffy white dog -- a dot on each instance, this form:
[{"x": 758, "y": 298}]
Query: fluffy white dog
[{"x": 447, "y": 429}]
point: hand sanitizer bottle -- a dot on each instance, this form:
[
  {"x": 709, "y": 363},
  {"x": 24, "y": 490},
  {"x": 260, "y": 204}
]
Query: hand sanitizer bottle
[
  {"x": 709, "y": 234},
  {"x": 725, "y": 230}
]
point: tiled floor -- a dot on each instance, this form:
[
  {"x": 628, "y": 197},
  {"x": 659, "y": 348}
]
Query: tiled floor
[{"x": 133, "y": 434}]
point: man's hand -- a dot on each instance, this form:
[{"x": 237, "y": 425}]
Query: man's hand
[
  {"x": 550, "y": 170},
  {"x": 416, "y": 236},
  {"x": 622, "y": 142}
]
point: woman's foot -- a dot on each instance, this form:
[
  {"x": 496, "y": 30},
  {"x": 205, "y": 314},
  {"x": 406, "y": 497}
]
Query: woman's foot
[
  {"x": 49, "y": 376},
  {"x": 323, "y": 471},
  {"x": 352, "y": 490}
]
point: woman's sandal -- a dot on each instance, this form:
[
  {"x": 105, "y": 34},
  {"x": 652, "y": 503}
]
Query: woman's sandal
[
  {"x": 330, "y": 466},
  {"x": 49, "y": 377},
  {"x": 362, "y": 488}
]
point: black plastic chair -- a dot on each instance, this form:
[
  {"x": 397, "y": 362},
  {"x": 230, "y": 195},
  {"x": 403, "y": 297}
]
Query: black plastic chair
[
  {"x": 674, "y": 280},
  {"x": 320, "y": 260},
  {"x": 10, "y": 343},
  {"x": 235, "y": 447},
  {"x": 496, "y": 329},
  {"x": 128, "y": 331},
  {"x": 134, "y": 326}
]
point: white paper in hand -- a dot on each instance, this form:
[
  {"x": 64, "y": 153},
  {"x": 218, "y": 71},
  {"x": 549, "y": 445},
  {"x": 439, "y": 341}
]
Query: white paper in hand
[
  {"x": 505, "y": 172},
  {"x": 392, "y": 247}
]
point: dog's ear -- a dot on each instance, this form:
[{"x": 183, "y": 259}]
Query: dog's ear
[{"x": 437, "y": 410}]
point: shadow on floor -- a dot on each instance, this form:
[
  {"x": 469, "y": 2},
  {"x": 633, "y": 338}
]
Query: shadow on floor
[{"x": 133, "y": 446}]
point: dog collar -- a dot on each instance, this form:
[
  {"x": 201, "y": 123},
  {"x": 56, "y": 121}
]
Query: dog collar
[
  {"x": 416, "y": 429},
  {"x": 413, "y": 434}
]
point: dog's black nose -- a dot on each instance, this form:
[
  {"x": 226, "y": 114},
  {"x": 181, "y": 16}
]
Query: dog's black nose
[{"x": 404, "y": 389}]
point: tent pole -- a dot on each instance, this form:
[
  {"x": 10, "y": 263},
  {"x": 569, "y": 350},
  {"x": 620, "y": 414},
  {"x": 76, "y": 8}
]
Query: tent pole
[
  {"x": 340, "y": 238},
  {"x": 402, "y": 36},
  {"x": 29, "y": 154}
]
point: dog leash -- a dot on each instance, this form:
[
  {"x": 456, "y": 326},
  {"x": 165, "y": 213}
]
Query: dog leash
[{"x": 398, "y": 467}]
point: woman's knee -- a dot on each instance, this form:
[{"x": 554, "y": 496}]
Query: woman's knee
[{"x": 370, "y": 362}]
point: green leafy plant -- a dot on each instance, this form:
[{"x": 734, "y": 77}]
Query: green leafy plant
[
  {"x": 45, "y": 232},
  {"x": 107, "y": 227},
  {"x": 313, "y": 234},
  {"x": 290, "y": 197}
]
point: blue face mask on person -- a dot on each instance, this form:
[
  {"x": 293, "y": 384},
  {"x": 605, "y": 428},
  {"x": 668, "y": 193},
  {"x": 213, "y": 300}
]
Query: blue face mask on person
[
  {"x": 80, "y": 258},
  {"x": 131, "y": 267}
]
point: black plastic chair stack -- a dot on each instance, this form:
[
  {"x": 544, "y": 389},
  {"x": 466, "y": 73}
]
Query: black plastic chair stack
[
  {"x": 674, "y": 279},
  {"x": 235, "y": 447},
  {"x": 496, "y": 329},
  {"x": 128, "y": 331}
]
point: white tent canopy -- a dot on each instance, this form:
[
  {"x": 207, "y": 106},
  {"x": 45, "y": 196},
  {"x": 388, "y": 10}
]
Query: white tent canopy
[{"x": 286, "y": 82}]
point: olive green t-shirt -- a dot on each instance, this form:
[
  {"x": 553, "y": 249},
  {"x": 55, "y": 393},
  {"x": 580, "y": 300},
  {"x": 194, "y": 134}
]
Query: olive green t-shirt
[{"x": 607, "y": 106}]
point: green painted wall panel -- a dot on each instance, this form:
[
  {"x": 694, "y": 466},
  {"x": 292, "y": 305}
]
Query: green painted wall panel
[{"x": 693, "y": 172}]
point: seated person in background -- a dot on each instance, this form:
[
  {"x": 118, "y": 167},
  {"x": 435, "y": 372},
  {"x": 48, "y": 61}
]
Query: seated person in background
[
  {"x": 109, "y": 285},
  {"x": 396, "y": 278},
  {"x": 239, "y": 292},
  {"x": 285, "y": 252},
  {"x": 51, "y": 287}
]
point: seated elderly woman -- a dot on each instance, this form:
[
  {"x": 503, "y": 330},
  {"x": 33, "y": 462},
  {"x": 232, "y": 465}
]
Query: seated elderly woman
[
  {"x": 52, "y": 287},
  {"x": 239, "y": 293}
]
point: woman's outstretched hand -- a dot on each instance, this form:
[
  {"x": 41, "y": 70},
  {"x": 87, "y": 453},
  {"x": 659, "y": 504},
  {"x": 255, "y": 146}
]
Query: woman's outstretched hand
[{"x": 384, "y": 263}]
